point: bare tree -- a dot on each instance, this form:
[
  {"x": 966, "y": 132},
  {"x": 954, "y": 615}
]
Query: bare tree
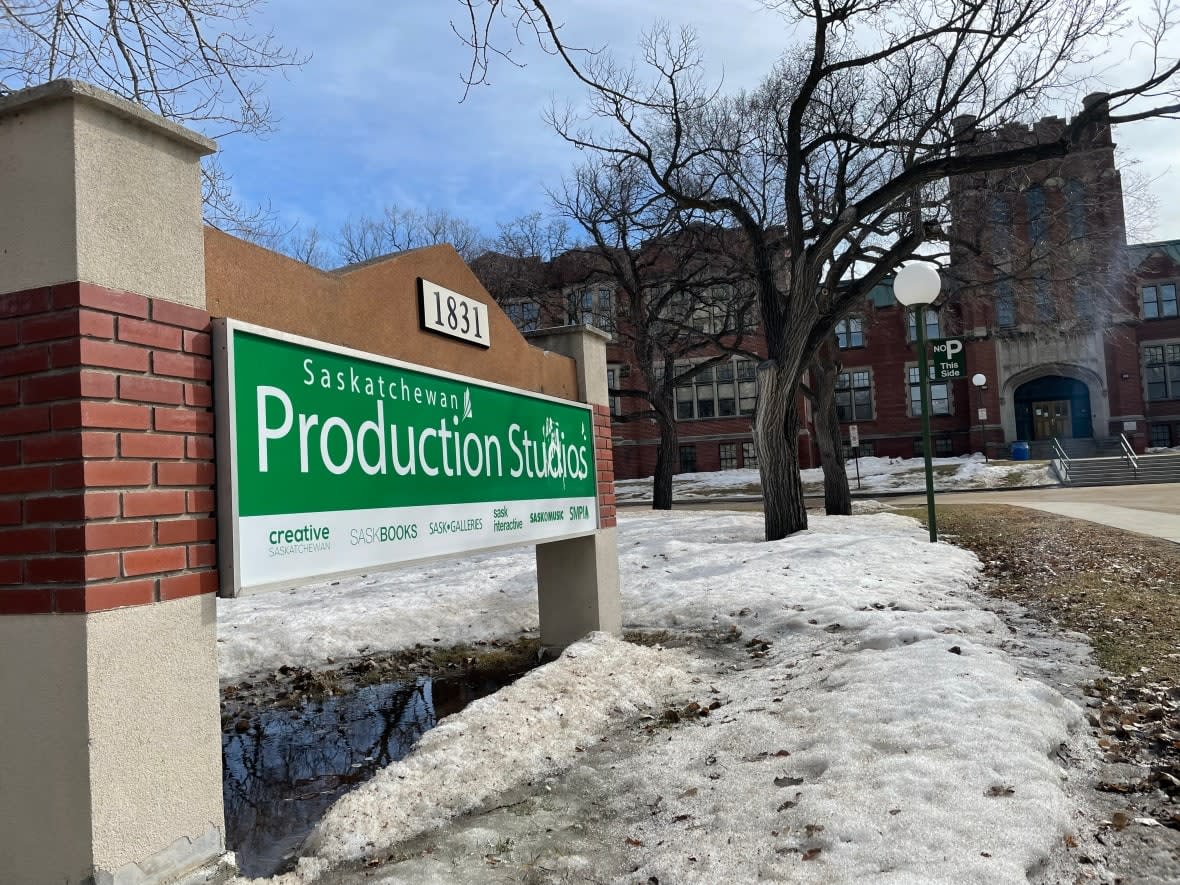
[
  {"x": 398, "y": 228},
  {"x": 823, "y": 375},
  {"x": 840, "y": 158},
  {"x": 306, "y": 245},
  {"x": 516, "y": 268},
  {"x": 197, "y": 62},
  {"x": 683, "y": 303}
]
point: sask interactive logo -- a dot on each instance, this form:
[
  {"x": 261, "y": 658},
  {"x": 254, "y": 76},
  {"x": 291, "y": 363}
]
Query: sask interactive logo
[{"x": 293, "y": 541}]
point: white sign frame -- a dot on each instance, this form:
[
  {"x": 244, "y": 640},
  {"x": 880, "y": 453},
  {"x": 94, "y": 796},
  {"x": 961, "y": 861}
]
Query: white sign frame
[{"x": 229, "y": 522}]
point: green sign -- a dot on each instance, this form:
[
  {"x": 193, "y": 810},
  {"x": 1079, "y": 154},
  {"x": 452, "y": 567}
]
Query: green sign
[
  {"x": 949, "y": 361},
  {"x": 341, "y": 460}
]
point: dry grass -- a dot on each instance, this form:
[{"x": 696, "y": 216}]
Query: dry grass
[{"x": 1121, "y": 589}]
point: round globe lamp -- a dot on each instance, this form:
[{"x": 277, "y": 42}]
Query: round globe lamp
[{"x": 915, "y": 286}]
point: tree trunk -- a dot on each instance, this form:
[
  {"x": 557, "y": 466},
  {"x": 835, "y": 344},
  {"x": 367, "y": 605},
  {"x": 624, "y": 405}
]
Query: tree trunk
[
  {"x": 837, "y": 495},
  {"x": 667, "y": 457},
  {"x": 776, "y": 436}
]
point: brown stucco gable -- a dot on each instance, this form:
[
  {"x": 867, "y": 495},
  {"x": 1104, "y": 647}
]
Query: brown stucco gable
[{"x": 374, "y": 307}]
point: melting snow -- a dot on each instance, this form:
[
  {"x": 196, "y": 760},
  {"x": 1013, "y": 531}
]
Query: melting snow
[{"x": 883, "y": 733}]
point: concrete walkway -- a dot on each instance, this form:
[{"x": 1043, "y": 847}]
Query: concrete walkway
[{"x": 1152, "y": 510}]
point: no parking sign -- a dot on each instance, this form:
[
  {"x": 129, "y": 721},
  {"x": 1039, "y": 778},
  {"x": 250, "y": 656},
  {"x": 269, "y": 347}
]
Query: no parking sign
[{"x": 949, "y": 360}]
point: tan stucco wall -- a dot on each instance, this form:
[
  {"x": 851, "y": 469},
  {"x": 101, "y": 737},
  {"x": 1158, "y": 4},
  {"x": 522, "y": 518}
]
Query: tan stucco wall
[
  {"x": 94, "y": 188},
  {"x": 139, "y": 209},
  {"x": 374, "y": 307},
  {"x": 578, "y": 588},
  {"x": 44, "y": 785},
  {"x": 114, "y": 742},
  {"x": 586, "y": 345},
  {"x": 157, "y": 777},
  {"x": 37, "y": 232}
]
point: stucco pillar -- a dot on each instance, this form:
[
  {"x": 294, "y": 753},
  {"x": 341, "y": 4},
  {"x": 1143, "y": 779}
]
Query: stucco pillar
[
  {"x": 110, "y": 768},
  {"x": 578, "y": 579}
]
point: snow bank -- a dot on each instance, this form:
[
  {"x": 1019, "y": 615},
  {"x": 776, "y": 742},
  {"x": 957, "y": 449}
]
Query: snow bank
[
  {"x": 876, "y": 474},
  {"x": 882, "y": 733},
  {"x": 487, "y": 596}
]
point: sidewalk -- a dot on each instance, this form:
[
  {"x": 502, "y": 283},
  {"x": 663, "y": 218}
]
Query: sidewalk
[{"x": 1152, "y": 510}]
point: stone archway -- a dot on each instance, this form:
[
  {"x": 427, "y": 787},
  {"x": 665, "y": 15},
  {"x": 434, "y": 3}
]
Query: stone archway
[
  {"x": 1052, "y": 406},
  {"x": 1072, "y": 401}
]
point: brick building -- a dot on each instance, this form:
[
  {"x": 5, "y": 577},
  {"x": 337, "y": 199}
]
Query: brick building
[{"x": 1075, "y": 331}]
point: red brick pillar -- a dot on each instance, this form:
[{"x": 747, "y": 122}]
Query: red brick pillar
[
  {"x": 106, "y": 446},
  {"x": 604, "y": 463}
]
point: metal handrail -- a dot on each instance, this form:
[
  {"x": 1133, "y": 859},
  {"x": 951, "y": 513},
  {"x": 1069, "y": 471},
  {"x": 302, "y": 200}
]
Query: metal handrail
[
  {"x": 1129, "y": 454},
  {"x": 1059, "y": 452}
]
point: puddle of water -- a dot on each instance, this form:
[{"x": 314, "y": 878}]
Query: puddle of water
[{"x": 282, "y": 773}]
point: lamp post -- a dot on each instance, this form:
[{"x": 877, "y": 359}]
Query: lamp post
[
  {"x": 980, "y": 381},
  {"x": 916, "y": 285}
]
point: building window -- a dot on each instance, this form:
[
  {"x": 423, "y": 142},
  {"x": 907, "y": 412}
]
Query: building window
[
  {"x": 688, "y": 459},
  {"x": 592, "y": 306},
  {"x": 715, "y": 316},
  {"x": 612, "y": 382},
  {"x": 850, "y": 333},
  {"x": 749, "y": 456},
  {"x": 1005, "y": 305},
  {"x": 721, "y": 391},
  {"x": 940, "y": 393},
  {"x": 1075, "y": 208},
  {"x": 854, "y": 395},
  {"x": 1038, "y": 219},
  {"x": 1161, "y": 436},
  {"x": 933, "y": 325},
  {"x": 1046, "y": 306},
  {"x": 727, "y": 453},
  {"x": 525, "y": 315},
  {"x": 866, "y": 449},
  {"x": 747, "y": 386},
  {"x": 1083, "y": 302},
  {"x": 1161, "y": 369},
  {"x": 942, "y": 447},
  {"x": 1001, "y": 226},
  {"x": 1159, "y": 301}
]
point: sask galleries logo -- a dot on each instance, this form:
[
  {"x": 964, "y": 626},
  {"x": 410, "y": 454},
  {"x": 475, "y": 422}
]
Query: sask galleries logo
[{"x": 292, "y": 541}]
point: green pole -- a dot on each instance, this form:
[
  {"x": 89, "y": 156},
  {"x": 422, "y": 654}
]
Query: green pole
[{"x": 924, "y": 371}]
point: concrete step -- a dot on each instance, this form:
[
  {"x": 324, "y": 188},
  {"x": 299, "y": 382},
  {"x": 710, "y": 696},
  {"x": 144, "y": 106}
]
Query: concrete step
[
  {"x": 1081, "y": 447},
  {"x": 1118, "y": 471}
]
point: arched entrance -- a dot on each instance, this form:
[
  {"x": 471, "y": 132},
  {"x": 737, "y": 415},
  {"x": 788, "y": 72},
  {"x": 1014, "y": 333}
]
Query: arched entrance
[{"x": 1053, "y": 406}]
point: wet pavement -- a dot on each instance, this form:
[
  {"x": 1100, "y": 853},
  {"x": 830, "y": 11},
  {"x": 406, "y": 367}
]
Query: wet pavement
[{"x": 283, "y": 767}]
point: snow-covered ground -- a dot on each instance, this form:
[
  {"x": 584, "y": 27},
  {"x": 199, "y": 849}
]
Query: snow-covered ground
[
  {"x": 880, "y": 729},
  {"x": 876, "y": 475}
]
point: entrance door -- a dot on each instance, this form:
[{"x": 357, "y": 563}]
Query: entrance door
[{"x": 1052, "y": 419}]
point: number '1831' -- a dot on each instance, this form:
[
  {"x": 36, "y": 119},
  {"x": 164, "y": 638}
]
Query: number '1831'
[{"x": 456, "y": 315}]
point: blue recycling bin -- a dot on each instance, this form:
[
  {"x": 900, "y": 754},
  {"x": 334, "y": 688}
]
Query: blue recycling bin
[{"x": 1019, "y": 451}]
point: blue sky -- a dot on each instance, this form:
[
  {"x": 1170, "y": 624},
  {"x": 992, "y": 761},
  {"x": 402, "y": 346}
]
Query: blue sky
[{"x": 375, "y": 116}]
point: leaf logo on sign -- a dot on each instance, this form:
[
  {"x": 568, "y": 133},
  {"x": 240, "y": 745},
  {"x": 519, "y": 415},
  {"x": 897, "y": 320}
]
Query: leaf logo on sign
[{"x": 467, "y": 404}]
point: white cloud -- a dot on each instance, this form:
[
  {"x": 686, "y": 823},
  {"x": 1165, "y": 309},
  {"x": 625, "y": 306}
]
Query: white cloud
[{"x": 375, "y": 116}]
